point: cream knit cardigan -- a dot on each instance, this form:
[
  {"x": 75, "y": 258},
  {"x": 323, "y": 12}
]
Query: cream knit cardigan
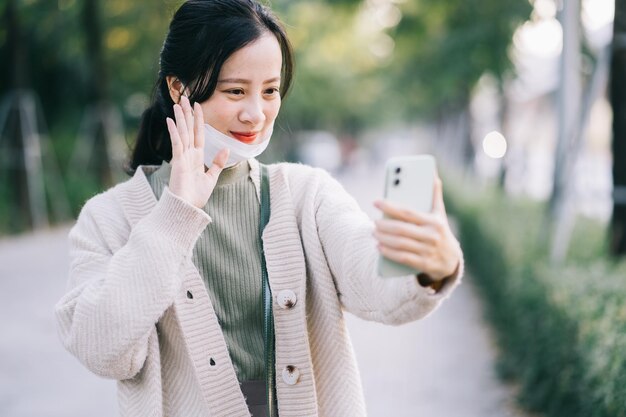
[{"x": 138, "y": 311}]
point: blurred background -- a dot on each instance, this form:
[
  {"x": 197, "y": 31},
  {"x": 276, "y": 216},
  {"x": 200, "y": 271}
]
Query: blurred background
[{"x": 515, "y": 98}]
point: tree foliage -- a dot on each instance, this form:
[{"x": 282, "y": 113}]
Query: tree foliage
[
  {"x": 336, "y": 85},
  {"x": 53, "y": 36},
  {"x": 353, "y": 71},
  {"x": 443, "y": 48}
]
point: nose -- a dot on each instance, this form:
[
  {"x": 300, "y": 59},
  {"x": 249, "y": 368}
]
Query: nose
[{"x": 252, "y": 112}]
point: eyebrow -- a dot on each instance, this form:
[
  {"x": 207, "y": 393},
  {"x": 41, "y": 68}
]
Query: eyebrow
[{"x": 244, "y": 81}]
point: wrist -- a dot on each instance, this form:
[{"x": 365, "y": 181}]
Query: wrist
[{"x": 427, "y": 282}]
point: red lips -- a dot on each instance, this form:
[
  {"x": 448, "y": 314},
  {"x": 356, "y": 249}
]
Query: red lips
[{"x": 245, "y": 137}]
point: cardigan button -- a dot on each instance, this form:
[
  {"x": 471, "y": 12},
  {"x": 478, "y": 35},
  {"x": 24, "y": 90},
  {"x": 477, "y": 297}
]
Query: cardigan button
[
  {"x": 189, "y": 295},
  {"x": 291, "y": 375},
  {"x": 286, "y": 299}
]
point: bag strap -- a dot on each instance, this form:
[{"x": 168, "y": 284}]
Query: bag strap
[{"x": 268, "y": 316}]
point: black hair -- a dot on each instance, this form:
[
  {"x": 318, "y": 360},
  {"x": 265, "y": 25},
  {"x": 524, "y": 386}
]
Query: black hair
[{"x": 202, "y": 35}]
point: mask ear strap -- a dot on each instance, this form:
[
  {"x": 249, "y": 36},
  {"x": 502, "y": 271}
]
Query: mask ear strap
[
  {"x": 182, "y": 88},
  {"x": 176, "y": 88}
]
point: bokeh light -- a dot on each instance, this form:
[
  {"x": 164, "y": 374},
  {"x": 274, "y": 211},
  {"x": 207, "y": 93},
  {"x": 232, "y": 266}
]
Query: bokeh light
[{"x": 494, "y": 145}]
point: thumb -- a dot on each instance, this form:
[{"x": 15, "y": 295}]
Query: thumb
[
  {"x": 438, "y": 205},
  {"x": 222, "y": 157},
  {"x": 218, "y": 163}
]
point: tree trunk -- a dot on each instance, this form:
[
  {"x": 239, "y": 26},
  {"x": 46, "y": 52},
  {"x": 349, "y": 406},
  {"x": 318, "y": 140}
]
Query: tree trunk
[
  {"x": 98, "y": 97},
  {"x": 569, "y": 98},
  {"x": 467, "y": 126},
  {"x": 467, "y": 131},
  {"x": 15, "y": 172},
  {"x": 503, "y": 118},
  {"x": 16, "y": 55},
  {"x": 97, "y": 82},
  {"x": 618, "y": 101}
]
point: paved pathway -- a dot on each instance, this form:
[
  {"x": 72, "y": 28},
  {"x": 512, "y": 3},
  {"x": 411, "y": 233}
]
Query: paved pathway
[
  {"x": 439, "y": 367},
  {"x": 38, "y": 378}
]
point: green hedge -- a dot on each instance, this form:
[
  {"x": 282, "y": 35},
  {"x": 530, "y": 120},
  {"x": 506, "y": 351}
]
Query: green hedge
[{"x": 562, "y": 331}]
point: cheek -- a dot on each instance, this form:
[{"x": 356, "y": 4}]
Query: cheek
[
  {"x": 218, "y": 112},
  {"x": 273, "y": 109}
]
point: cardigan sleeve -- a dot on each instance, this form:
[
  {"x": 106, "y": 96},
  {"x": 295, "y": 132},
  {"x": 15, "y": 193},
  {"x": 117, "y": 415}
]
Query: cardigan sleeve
[
  {"x": 122, "y": 279},
  {"x": 346, "y": 235}
]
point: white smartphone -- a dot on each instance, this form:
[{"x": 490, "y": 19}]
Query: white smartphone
[{"x": 409, "y": 182}]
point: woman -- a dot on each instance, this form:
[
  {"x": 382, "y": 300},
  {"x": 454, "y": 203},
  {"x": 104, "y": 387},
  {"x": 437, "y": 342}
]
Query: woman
[{"x": 172, "y": 290}]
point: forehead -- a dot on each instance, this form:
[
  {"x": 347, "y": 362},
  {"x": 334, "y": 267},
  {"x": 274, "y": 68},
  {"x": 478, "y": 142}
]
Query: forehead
[{"x": 259, "y": 59}]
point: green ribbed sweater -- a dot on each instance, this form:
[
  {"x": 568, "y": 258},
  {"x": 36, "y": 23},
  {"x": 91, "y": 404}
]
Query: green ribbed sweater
[{"x": 228, "y": 257}]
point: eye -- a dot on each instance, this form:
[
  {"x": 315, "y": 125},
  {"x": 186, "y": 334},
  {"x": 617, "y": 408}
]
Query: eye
[
  {"x": 235, "y": 92},
  {"x": 272, "y": 91}
]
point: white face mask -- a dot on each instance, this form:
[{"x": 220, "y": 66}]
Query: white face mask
[{"x": 214, "y": 141}]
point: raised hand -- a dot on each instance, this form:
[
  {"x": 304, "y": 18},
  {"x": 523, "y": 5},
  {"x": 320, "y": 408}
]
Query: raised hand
[
  {"x": 189, "y": 179},
  {"x": 422, "y": 241}
]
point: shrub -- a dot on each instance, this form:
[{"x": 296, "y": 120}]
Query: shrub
[{"x": 561, "y": 330}]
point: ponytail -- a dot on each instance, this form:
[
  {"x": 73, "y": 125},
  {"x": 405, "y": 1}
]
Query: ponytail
[{"x": 153, "y": 145}]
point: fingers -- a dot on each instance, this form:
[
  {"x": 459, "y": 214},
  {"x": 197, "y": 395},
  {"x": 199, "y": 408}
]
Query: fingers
[
  {"x": 177, "y": 146},
  {"x": 406, "y": 258},
  {"x": 218, "y": 163},
  {"x": 181, "y": 126},
  {"x": 198, "y": 133},
  {"x": 407, "y": 230},
  {"x": 402, "y": 243},
  {"x": 189, "y": 125},
  {"x": 438, "y": 205},
  {"x": 188, "y": 119},
  {"x": 400, "y": 213}
]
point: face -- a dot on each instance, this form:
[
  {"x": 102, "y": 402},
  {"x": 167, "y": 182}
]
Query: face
[{"x": 247, "y": 97}]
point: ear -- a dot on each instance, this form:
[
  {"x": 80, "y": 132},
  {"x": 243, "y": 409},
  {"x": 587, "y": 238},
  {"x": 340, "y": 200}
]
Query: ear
[{"x": 175, "y": 87}]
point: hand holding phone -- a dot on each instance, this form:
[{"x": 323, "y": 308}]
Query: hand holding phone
[{"x": 414, "y": 235}]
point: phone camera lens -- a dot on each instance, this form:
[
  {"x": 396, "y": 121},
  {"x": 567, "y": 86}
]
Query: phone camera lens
[
  {"x": 396, "y": 182},
  {"x": 398, "y": 169}
]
